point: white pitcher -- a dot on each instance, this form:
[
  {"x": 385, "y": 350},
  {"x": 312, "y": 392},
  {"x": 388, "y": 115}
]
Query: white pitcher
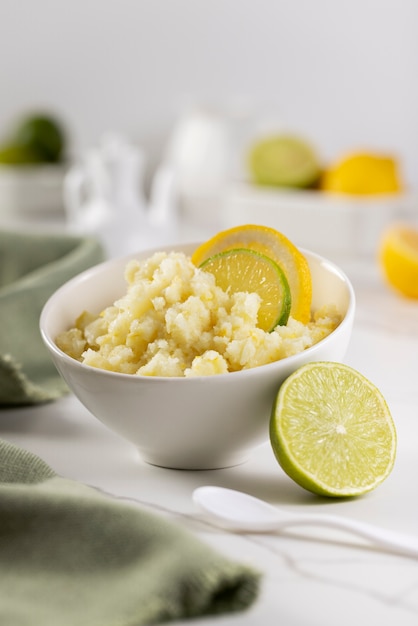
[{"x": 103, "y": 196}]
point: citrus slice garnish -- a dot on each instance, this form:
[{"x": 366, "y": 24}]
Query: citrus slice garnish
[
  {"x": 277, "y": 247},
  {"x": 398, "y": 258},
  {"x": 284, "y": 161},
  {"x": 331, "y": 430},
  {"x": 249, "y": 271}
]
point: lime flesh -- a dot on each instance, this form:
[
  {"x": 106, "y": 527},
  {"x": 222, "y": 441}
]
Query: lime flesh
[
  {"x": 241, "y": 269},
  {"x": 331, "y": 430}
]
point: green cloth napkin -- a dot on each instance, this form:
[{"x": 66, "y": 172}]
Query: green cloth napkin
[
  {"x": 32, "y": 267},
  {"x": 70, "y": 556}
]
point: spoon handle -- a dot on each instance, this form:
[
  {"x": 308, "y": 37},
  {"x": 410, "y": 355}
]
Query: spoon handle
[{"x": 393, "y": 541}]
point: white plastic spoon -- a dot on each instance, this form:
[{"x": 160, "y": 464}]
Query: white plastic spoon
[{"x": 242, "y": 512}]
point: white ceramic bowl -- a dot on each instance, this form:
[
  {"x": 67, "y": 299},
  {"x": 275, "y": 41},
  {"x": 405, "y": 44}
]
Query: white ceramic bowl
[{"x": 186, "y": 423}]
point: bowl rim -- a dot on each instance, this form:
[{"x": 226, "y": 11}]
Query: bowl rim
[{"x": 122, "y": 260}]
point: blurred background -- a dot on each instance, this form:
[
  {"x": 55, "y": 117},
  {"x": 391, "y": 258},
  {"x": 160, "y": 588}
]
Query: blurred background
[{"x": 342, "y": 75}]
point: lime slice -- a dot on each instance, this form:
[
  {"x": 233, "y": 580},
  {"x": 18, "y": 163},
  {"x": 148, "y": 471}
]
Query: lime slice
[
  {"x": 284, "y": 161},
  {"x": 245, "y": 270},
  {"x": 331, "y": 430},
  {"x": 277, "y": 247}
]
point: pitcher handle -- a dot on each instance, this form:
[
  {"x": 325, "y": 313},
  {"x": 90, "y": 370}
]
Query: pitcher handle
[{"x": 74, "y": 191}]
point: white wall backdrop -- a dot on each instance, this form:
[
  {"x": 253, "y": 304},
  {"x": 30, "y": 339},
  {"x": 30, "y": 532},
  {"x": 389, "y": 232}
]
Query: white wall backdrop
[{"x": 343, "y": 72}]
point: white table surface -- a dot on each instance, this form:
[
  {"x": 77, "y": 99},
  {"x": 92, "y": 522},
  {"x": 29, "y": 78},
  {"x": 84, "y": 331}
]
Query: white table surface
[{"x": 310, "y": 578}]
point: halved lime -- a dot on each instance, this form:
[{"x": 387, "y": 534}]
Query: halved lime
[
  {"x": 284, "y": 161},
  {"x": 242, "y": 269},
  {"x": 331, "y": 430}
]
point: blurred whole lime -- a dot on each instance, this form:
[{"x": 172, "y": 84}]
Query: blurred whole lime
[
  {"x": 36, "y": 138},
  {"x": 284, "y": 161}
]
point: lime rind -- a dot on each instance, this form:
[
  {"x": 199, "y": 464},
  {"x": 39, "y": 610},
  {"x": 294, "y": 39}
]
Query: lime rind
[
  {"x": 332, "y": 432},
  {"x": 278, "y": 311}
]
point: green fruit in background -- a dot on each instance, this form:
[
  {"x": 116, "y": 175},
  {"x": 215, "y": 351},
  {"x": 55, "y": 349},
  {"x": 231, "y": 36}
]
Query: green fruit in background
[
  {"x": 36, "y": 138},
  {"x": 284, "y": 161},
  {"x": 42, "y": 135},
  {"x": 12, "y": 154}
]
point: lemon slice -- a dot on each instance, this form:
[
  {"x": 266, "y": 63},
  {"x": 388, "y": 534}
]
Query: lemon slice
[
  {"x": 398, "y": 258},
  {"x": 331, "y": 430},
  {"x": 277, "y": 247},
  {"x": 246, "y": 270}
]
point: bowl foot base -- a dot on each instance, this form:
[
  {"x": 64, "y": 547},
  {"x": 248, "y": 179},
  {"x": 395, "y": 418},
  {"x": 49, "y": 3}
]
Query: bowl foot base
[{"x": 195, "y": 463}]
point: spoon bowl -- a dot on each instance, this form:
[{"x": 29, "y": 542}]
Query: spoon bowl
[{"x": 242, "y": 512}]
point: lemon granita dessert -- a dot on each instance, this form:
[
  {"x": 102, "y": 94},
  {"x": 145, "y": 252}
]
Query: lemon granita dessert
[{"x": 178, "y": 319}]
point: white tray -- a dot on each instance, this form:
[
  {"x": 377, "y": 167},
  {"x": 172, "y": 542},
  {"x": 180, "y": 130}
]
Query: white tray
[{"x": 336, "y": 226}]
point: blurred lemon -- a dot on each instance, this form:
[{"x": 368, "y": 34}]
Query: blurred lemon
[
  {"x": 363, "y": 174},
  {"x": 284, "y": 161},
  {"x": 398, "y": 258}
]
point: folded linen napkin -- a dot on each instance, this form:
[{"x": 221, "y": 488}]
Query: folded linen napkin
[
  {"x": 32, "y": 267},
  {"x": 70, "y": 556}
]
